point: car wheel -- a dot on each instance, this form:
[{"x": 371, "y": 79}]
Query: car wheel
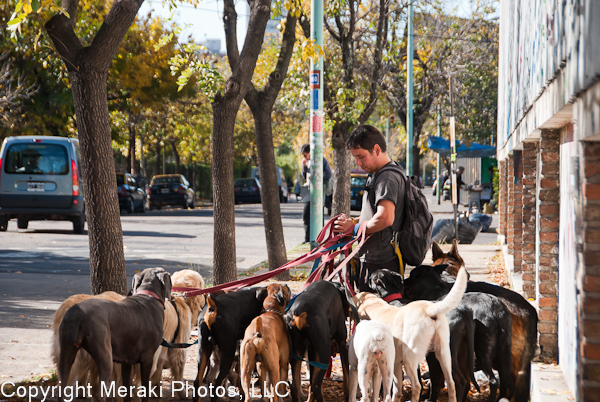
[
  {"x": 193, "y": 204},
  {"x": 142, "y": 207},
  {"x": 78, "y": 225},
  {"x": 3, "y": 223},
  {"x": 130, "y": 206},
  {"x": 22, "y": 223},
  {"x": 150, "y": 206},
  {"x": 185, "y": 203}
]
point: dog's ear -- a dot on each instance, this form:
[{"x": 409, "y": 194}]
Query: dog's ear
[
  {"x": 165, "y": 278},
  {"x": 135, "y": 282},
  {"x": 261, "y": 294},
  {"x": 436, "y": 251},
  {"x": 287, "y": 294},
  {"x": 211, "y": 314},
  {"x": 299, "y": 321},
  {"x": 454, "y": 253}
]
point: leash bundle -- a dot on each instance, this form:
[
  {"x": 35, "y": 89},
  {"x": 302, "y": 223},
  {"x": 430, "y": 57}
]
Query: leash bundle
[{"x": 330, "y": 246}]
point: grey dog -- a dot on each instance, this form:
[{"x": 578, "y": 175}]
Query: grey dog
[{"x": 126, "y": 332}]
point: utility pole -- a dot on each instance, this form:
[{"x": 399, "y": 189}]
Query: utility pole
[
  {"x": 316, "y": 85},
  {"x": 409, "y": 93},
  {"x": 453, "y": 160}
]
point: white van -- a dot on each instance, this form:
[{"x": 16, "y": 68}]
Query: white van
[
  {"x": 283, "y": 188},
  {"x": 40, "y": 179}
]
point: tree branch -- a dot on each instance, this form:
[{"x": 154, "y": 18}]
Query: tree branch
[
  {"x": 230, "y": 25},
  {"x": 65, "y": 41}
]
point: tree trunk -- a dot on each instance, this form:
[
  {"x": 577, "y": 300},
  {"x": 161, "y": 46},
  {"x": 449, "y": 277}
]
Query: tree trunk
[
  {"x": 224, "y": 253},
  {"x": 343, "y": 162},
  {"x": 157, "y": 163},
  {"x": 269, "y": 193},
  {"x": 176, "y": 156},
  {"x": 225, "y": 108},
  {"x": 107, "y": 262},
  {"x": 131, "y": 145},
  {"x": 88, "y": 72}
]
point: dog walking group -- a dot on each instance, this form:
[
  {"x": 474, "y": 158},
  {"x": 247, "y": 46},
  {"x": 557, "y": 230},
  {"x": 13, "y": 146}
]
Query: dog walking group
[{"x": 436, "y": 314}]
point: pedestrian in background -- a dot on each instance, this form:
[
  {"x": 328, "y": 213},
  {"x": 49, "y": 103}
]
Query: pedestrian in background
[{"x": 305, "y": 151}]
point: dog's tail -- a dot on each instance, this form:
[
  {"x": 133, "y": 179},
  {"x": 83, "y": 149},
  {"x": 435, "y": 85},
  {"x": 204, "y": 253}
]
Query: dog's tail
[
  {"x": 377, "y": 343},
  {"x": 452, "y": 299},
  {"x": 259, "y": 328}
]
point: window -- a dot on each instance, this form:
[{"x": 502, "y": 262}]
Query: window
[{"x": 42, "y": 159}]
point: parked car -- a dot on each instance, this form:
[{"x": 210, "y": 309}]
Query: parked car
[
  {"x": 246, "y": 190},
  {"x": 170, "y": 189},
  {"x": 131, "y": 197},
  {"x": 357, "y": 189},
  {"x": 281, "y": 182},
  {"x": 40, "y": 179}
]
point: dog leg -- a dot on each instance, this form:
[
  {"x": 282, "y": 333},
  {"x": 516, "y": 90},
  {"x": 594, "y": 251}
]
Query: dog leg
[
  {"x": 272, "y": 363},
  {"x": 352, "y": 384},
  {"x": 365, "y": 374},
  {"x": 126, "y": 378},
  {"x": 145, "y": 370},
  {"x": 411, "y": 364},
  {"x": 247, "y": 364},
  {"x": 317, "y": 374}
]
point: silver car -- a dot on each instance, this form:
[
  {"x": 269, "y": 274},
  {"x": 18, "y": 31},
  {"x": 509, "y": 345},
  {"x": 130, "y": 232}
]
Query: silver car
[{"x": 40, "y": 179}]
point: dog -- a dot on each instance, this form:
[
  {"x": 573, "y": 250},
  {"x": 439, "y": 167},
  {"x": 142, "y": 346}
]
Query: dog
[
  {"x": 316, "y": 318},
  {"x": 222, "y": 323},
  {"x": 389, "y": 286},
  {"x": 452, "y": 259},
  {"x": 266, "y": 340},
  {"x": 371, "y": 356},
  {"x": 110, "y": 331},
  {"x": 187, "y": 278},
  {"x": 84, "y": 369},
  {"x": 523, "y": 332},
  {"x": 417, "y": 327}
]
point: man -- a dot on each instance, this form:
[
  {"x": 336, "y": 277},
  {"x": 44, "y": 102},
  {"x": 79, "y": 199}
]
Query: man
[
  {"x": 459, "y": 183},
  {"x": 305, "y": 151},
  {"x": 367, "y": 145}
]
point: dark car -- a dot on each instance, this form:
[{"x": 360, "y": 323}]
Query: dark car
[
  {"x": 357, "y": 189},
  {"x": 131, "y": 197},
  {"x": 246, "y": 190},
  {"x": 170, "y": 189}
]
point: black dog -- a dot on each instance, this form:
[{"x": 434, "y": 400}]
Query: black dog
[
  {"x": 222, "y": 323},
  {"x": 388, "y": 285},
  {"x": 495, "y": 329},
  {"x": 316, "y": 318},
  {"x": 126, "y": 332}
]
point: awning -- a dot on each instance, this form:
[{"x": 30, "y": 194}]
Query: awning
[{"x": 442, "y": 146}]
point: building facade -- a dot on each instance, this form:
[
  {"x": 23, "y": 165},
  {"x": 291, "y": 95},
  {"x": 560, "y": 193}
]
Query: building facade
[{"x": 549, "y": 164}]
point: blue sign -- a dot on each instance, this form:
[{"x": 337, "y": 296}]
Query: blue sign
[
  {"x": 314, "y": 97},
  {"x": 314, "y": 79}
]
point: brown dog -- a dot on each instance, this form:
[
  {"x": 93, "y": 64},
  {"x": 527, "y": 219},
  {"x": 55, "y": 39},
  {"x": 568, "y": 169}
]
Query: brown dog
[
  {"x": 451, "y": 258},
  {"x": 266, "y": 340}
]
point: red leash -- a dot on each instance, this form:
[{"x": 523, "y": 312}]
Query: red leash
[{"x": 320, "y": 251}]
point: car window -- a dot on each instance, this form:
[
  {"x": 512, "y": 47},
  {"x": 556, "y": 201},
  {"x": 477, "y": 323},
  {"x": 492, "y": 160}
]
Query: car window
[
  {"x": 358, "y": 181},
  {"x": 244, "y": 182},
  {"x": 45, "y": 159},
  {"x": 166, "y": 180}
]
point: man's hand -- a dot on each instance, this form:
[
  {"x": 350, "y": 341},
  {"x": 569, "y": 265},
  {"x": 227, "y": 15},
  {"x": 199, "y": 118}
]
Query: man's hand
[{"x": 342, "y": 223}]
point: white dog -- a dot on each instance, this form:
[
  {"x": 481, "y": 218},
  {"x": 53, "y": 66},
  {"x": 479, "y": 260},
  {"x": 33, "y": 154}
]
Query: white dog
[
  {"x": 417, "y": 328},
  {"x": 371, "y": 357}
]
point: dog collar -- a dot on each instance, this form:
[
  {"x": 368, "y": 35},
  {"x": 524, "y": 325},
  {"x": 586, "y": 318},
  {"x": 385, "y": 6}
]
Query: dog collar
[
  {"x": 392, "y": 297},
  {"x": 274, "y": 311},
  {"x": 151, "y": 294}
]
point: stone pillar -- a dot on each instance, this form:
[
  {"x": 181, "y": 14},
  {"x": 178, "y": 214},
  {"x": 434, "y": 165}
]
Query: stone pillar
[
  {"x": 517, "y": 216},
  {"x": 529, "y": 217},
  {"x": 502, "y": 198},
  {"x": 588, "y": 282},
  {"x": 510, "y": 205},
  {"x": 548, "y": 215}
]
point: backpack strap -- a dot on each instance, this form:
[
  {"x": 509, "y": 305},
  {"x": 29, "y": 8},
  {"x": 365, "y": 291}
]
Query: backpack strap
[{"x": 371, "y": 195}]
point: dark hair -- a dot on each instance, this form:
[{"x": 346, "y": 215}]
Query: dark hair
[
  {"x": 305, "y": 148},
  {"x": 366, "y": 137}
]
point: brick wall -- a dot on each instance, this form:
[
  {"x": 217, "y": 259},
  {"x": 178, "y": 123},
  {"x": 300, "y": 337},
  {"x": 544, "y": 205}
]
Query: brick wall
[
  {"x": 548, "y": 216},
  {"x": 529, "y": 191},
  {"x": 502, "y": 197},
  {"x": 517, "y": 216},
  {"x": 510, "y": 204},
  {"x": 589, "y": 275}
]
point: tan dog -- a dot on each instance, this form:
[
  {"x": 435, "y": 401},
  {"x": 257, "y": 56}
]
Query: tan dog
[
  {"x": 266, "y": 340},
  {"x": 187, "y": 278},
  {"x": 84, "y": 369},
  {"x": 417, "y": 328},
  {"x": 451, "y": 258}
]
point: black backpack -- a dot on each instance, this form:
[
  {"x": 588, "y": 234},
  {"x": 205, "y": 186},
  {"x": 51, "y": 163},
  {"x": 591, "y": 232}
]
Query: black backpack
[{"x": 413, "y": 237}]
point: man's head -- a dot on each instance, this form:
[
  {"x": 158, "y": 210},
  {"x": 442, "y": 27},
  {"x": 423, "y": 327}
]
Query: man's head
[
  {"x": 305, "y": 151},
  {"x": 367, "y": 145},
  {"x": 461, "y": 169}
]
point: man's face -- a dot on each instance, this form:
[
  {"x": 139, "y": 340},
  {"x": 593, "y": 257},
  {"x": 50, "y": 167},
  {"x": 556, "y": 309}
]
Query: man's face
[{"x": 366, "y": 160}]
